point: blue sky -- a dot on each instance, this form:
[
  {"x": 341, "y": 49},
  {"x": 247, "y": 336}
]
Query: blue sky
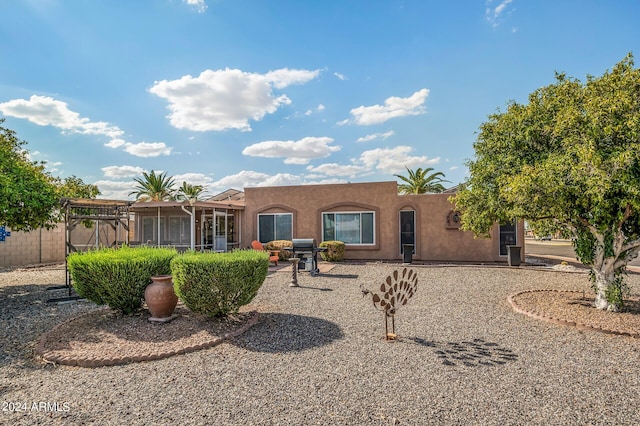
[{"x": 237, "y": 93}]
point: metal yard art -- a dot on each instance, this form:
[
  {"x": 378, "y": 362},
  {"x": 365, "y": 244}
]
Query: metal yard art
[{"x": 394, "y": 292}]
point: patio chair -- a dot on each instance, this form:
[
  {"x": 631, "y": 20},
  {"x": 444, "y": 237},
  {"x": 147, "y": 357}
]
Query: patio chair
[{"x": 273, "y": 254}]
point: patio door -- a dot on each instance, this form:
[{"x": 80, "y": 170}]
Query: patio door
[
  {"x": 407, "y": 228},
  {"x": 218, "y": 230}
]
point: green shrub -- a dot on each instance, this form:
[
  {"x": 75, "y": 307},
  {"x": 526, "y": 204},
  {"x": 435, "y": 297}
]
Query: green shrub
[
  {"x": 118, "y": 277},
  {"x": 280, "y": 245},
  {"x": 335, "y": 251},
  {"x": 217, "y": 284}
]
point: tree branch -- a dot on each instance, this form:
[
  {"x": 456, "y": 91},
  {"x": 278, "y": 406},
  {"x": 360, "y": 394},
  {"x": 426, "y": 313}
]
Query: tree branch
[{"x": 627, "y": 214}]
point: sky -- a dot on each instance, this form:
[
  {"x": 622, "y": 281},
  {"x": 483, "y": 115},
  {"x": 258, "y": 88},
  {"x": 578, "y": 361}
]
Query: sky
[{"x": 245, "y": 93}]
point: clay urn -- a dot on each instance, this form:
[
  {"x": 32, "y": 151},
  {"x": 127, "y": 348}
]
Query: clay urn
[{"x": 160, "y": 297}]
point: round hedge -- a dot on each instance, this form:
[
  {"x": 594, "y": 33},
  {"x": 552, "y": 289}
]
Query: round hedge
[
  {"x": 218, "y": 284},
  {"x": 334, "y": 252},
  {"x": 117, "y": 277}
]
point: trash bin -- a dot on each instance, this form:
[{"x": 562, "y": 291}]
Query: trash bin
[
  {"x": 407, "y": 253},
  {"x": 513, "y": 255}
]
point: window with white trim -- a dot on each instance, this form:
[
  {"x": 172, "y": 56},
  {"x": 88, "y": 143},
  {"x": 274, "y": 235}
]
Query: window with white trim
[
  {"x": 349, "y": 227},
  {"x": 275, "y": 226}
]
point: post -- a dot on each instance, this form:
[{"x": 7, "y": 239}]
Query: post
[{"x": 294, "y": 272}]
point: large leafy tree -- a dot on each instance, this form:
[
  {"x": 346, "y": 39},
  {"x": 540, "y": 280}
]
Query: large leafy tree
[
  {"x": 154, "y": 187},
  {"x": 569, "y": 158},
  {"x": 421, "y": 181},
  {"x": 190, "y": 192},
  {"x": 28, "y": 195},
  {"x": 74, "y": 187}
]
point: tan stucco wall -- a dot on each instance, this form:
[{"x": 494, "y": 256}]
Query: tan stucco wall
[
  {"x": 27, "y": 248},
  {"x": 434, "y": 241}
]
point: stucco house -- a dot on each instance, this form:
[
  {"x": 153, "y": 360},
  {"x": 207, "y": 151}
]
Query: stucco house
[{"x": 373, "y": 220}]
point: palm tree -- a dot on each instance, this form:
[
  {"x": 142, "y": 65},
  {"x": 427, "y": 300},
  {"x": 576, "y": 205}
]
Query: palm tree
[
  {"x": 154, "y": 187},
  {"x": 420, "y": 182},
  {"x": 190, "y": 192}
]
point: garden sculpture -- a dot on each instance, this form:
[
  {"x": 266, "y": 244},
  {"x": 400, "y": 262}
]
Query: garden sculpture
[{"x": 396, "y": 291}]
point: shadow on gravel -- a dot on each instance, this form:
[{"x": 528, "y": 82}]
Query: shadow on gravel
[
  {"x": 277, "y": 333},
  {"x": 315, "y": 288},
  {"x": 475, "y": 353},
  {"x": 25, "y": 315},
  {"x": 345, "y": 276}
]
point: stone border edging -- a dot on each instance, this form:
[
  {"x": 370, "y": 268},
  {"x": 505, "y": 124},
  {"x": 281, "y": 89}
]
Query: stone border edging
[
  {"x": 560, "y": 321},
  {"x": 92, "y": 362}
]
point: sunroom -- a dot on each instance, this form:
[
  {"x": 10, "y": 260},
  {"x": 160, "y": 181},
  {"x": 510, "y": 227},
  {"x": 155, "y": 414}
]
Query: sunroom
[{"x": 200, "y": 225}]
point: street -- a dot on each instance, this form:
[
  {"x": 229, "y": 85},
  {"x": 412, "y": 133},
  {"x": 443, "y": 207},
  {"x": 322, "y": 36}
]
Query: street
[{"x": 561, "y": 248}]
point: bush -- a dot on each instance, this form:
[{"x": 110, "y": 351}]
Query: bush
[
  {"x": 335, "y": 251},
  {"x": 217, "y": 284},
  {"x": 118, "y": 277},
  {"x": 279, "y": 245}
]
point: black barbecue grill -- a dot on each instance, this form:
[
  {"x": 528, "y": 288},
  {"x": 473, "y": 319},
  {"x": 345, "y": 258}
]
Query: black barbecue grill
[{"x": 304, "y": 249}]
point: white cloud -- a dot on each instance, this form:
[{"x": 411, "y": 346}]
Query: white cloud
[
  {"x": 122, "y": 171},
  {"x": 383, "y": 160},
  {"x": 452, "y": 168},
  {"x": 226, "y": 99},
  {"x": 394, "y": 160},
  {"x": 115, "y": 143},
  {"x": 249, "y": 178},
  {"x": 285, "y": 77},
  {"x": 46, "y": 111},
  {"x": 319, "y": 108},
  {"x": 334, "y": 169},
  {"x": 147, "y": 149},
  {"x": 494, "y": 15},
  {"x": 199, "y": 5},
  {"x": 340, "y": 76},
  {"x": 115, "y": 190},
  {"x": 194, "y": 179},
  {"x": 376, "y": 136},
  {"x": 294, "y": 152},
  {"x": 393, "y": 107},
  {"x": 53, "y": 168},
  {"x": 141, "y": 149}
]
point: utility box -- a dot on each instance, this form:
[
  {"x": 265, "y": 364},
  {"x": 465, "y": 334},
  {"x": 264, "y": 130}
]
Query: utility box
[
  {"x": 407, "y": 253},
  {"x": 513, "y": 255}
]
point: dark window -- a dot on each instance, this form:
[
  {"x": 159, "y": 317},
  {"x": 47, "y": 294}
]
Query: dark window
[
  {"x": 278, "y": 226},
  {"x": 507, "y": 237},
  {"x": 407, "y": 228},
  {"x": 350, "y": 228}
]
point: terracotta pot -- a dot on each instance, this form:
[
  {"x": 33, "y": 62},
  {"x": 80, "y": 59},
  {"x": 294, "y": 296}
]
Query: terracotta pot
[{"x": 160, "y": 297}]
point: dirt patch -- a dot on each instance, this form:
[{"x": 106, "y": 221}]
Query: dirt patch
[
  {"x": 105, "y": 337},
  {"x": 576, "y": 309}
]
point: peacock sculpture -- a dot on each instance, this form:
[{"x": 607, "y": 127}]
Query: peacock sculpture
[{"x": 395, "y": 291}]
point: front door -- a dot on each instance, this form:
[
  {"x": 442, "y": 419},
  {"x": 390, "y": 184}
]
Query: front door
[{"x": 407, "y": 229}]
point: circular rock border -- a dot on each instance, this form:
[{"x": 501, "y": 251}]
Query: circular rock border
[
  {"x": 92, "y": 361},
  {"x": 560, "y": 321}
]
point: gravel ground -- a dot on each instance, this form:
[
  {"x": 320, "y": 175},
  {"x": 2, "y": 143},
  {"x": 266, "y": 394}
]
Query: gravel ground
[{"x": 318, "y": 357}]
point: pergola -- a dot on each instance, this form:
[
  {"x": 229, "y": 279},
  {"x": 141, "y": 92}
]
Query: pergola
[{"x": 80, "y": 211}]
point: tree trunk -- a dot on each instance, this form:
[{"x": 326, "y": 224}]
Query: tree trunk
[{"x": 604, "y": 279}]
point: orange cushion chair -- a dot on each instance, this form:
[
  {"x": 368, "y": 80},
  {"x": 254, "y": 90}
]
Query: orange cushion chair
[{"x": 273, "y": 254}]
